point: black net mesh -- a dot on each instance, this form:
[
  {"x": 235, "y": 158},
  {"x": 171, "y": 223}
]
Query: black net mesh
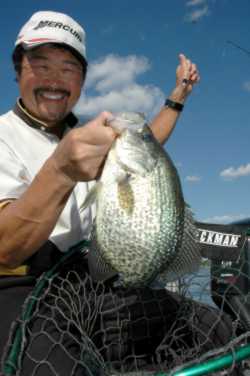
[{"x": 75, "y": 326}]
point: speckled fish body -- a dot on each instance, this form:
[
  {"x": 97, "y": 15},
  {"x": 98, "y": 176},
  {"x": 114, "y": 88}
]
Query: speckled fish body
[{"x": 141, "y": 217}]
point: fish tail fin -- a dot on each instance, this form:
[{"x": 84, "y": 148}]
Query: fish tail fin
[
  {"x": 190, "y": 244},
  {"x": 91, "y": 196},
  {"x": 188, "y": 259}
]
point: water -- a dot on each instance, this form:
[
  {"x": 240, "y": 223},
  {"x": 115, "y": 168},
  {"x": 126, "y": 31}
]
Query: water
[{"x": 197, "y": 286}]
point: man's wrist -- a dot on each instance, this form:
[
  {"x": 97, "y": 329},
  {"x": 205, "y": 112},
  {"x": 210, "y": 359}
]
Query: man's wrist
[
  {"x": 179, "y": 94},
  {"x": 177, "y": 106},
  {"x": 51, "y": 167}
]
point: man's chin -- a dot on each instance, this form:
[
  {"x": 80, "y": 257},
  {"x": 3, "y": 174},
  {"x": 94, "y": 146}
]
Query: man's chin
[
  {"x": 53, "y": 118},
  {"x": 52, "y": 112}
]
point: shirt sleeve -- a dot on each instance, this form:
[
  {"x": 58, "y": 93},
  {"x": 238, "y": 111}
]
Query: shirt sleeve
[{"x": 13, "y": 174}]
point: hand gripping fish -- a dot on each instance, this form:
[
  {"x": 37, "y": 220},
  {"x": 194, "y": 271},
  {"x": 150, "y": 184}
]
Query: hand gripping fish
[{"x": 143, "y": 229}]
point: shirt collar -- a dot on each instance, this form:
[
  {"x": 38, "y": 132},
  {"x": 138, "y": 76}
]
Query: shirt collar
[{"x": 20, "y": 110}]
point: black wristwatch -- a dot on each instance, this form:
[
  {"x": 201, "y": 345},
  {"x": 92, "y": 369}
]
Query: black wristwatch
[{"x": 174, "y": 105}]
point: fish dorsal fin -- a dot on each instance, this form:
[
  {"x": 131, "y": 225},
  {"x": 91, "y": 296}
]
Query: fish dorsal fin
[{"x": 91, "y": 196}]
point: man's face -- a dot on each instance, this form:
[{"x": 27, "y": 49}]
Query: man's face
[{"x": 50, "y": 83}]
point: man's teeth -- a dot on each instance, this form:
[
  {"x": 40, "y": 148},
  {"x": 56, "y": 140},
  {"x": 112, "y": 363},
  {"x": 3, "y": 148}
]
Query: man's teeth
[{"x": 52, "y": 95}]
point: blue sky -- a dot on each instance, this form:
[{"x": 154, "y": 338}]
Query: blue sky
[{"x": 133, "y": 49}]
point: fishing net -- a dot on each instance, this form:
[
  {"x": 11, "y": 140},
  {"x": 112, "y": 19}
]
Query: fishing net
[{"x": 197, "y": 325}]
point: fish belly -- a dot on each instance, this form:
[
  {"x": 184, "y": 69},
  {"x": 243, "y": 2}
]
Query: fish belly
[{"x": 140, "y": 242}]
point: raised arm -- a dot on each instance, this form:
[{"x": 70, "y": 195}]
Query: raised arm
[{"x": 186, "y": 76}]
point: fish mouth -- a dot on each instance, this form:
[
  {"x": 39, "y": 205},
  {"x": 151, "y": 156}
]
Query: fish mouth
[{"x": 121, "y": 121}]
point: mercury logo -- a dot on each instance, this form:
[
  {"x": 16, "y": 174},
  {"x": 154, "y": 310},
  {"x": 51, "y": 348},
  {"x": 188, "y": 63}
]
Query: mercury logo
[
  {"x": 58, "y": 25},
  {"x": 218, "y": 238}
]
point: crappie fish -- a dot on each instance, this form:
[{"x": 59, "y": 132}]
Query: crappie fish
[{"x": 143, "y": 229}]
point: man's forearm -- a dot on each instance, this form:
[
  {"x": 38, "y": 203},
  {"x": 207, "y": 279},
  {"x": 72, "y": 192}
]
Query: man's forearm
[
  {"x": 164, "y": 122},
  {"x": 186, "y": 76},
  {"x": 26, "y": 223}
]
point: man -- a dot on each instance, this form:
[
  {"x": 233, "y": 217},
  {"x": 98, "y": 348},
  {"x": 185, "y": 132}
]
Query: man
[
  {"x": 50, "y": 73},
  {"x": 46, "y": 164}
]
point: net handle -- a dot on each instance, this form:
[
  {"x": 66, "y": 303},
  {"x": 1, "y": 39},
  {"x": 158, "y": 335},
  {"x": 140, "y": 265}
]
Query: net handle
[{"x": 216, "y": 364}]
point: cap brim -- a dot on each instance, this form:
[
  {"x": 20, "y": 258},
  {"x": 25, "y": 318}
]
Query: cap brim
[
  {"x": 27, "y": 44},
  {"x": 36, "y": 42}
]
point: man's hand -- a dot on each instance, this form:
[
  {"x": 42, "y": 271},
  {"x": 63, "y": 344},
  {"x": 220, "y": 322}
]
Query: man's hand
[
  {"x": 81, "y": 153},
  {"x": 186, "y": 75}
]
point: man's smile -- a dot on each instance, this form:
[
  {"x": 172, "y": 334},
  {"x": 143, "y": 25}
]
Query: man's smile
[{"x": 50, "y": 94}]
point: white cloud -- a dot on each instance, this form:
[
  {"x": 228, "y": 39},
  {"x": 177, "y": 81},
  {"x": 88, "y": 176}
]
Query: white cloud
[
  {"x": 113, "y": 81},
  {"x": 197, "y": 14},
  {"x": 193, "y": 179},
  {"x": 195, "y": 2},
  {"x": 134, "y": 97},
  {"x": 246, "y": 85},
  {"x": 235, "y": 173},
  {"x": 198, "y": 9},
  {"x": 115, "y": 71},
  {"x": 227, "y": 218}
]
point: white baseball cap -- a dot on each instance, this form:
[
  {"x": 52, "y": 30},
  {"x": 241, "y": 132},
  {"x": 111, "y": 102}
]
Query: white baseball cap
[{"x": 52, "y": 27}]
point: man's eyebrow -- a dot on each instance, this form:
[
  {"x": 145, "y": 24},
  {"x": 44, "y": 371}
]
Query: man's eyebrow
[
  {"x": 66, "y": 61},
  {"x": 71, "y": 62},
  {"x": 33, "y": 56}
]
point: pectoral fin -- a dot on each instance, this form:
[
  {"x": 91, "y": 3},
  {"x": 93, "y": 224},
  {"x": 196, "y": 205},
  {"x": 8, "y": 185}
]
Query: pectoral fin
[{"x": 125, "y": 196}]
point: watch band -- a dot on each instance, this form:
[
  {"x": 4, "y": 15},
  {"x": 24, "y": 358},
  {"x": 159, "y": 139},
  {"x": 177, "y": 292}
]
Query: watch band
[{"x": 174, "y": 105}]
